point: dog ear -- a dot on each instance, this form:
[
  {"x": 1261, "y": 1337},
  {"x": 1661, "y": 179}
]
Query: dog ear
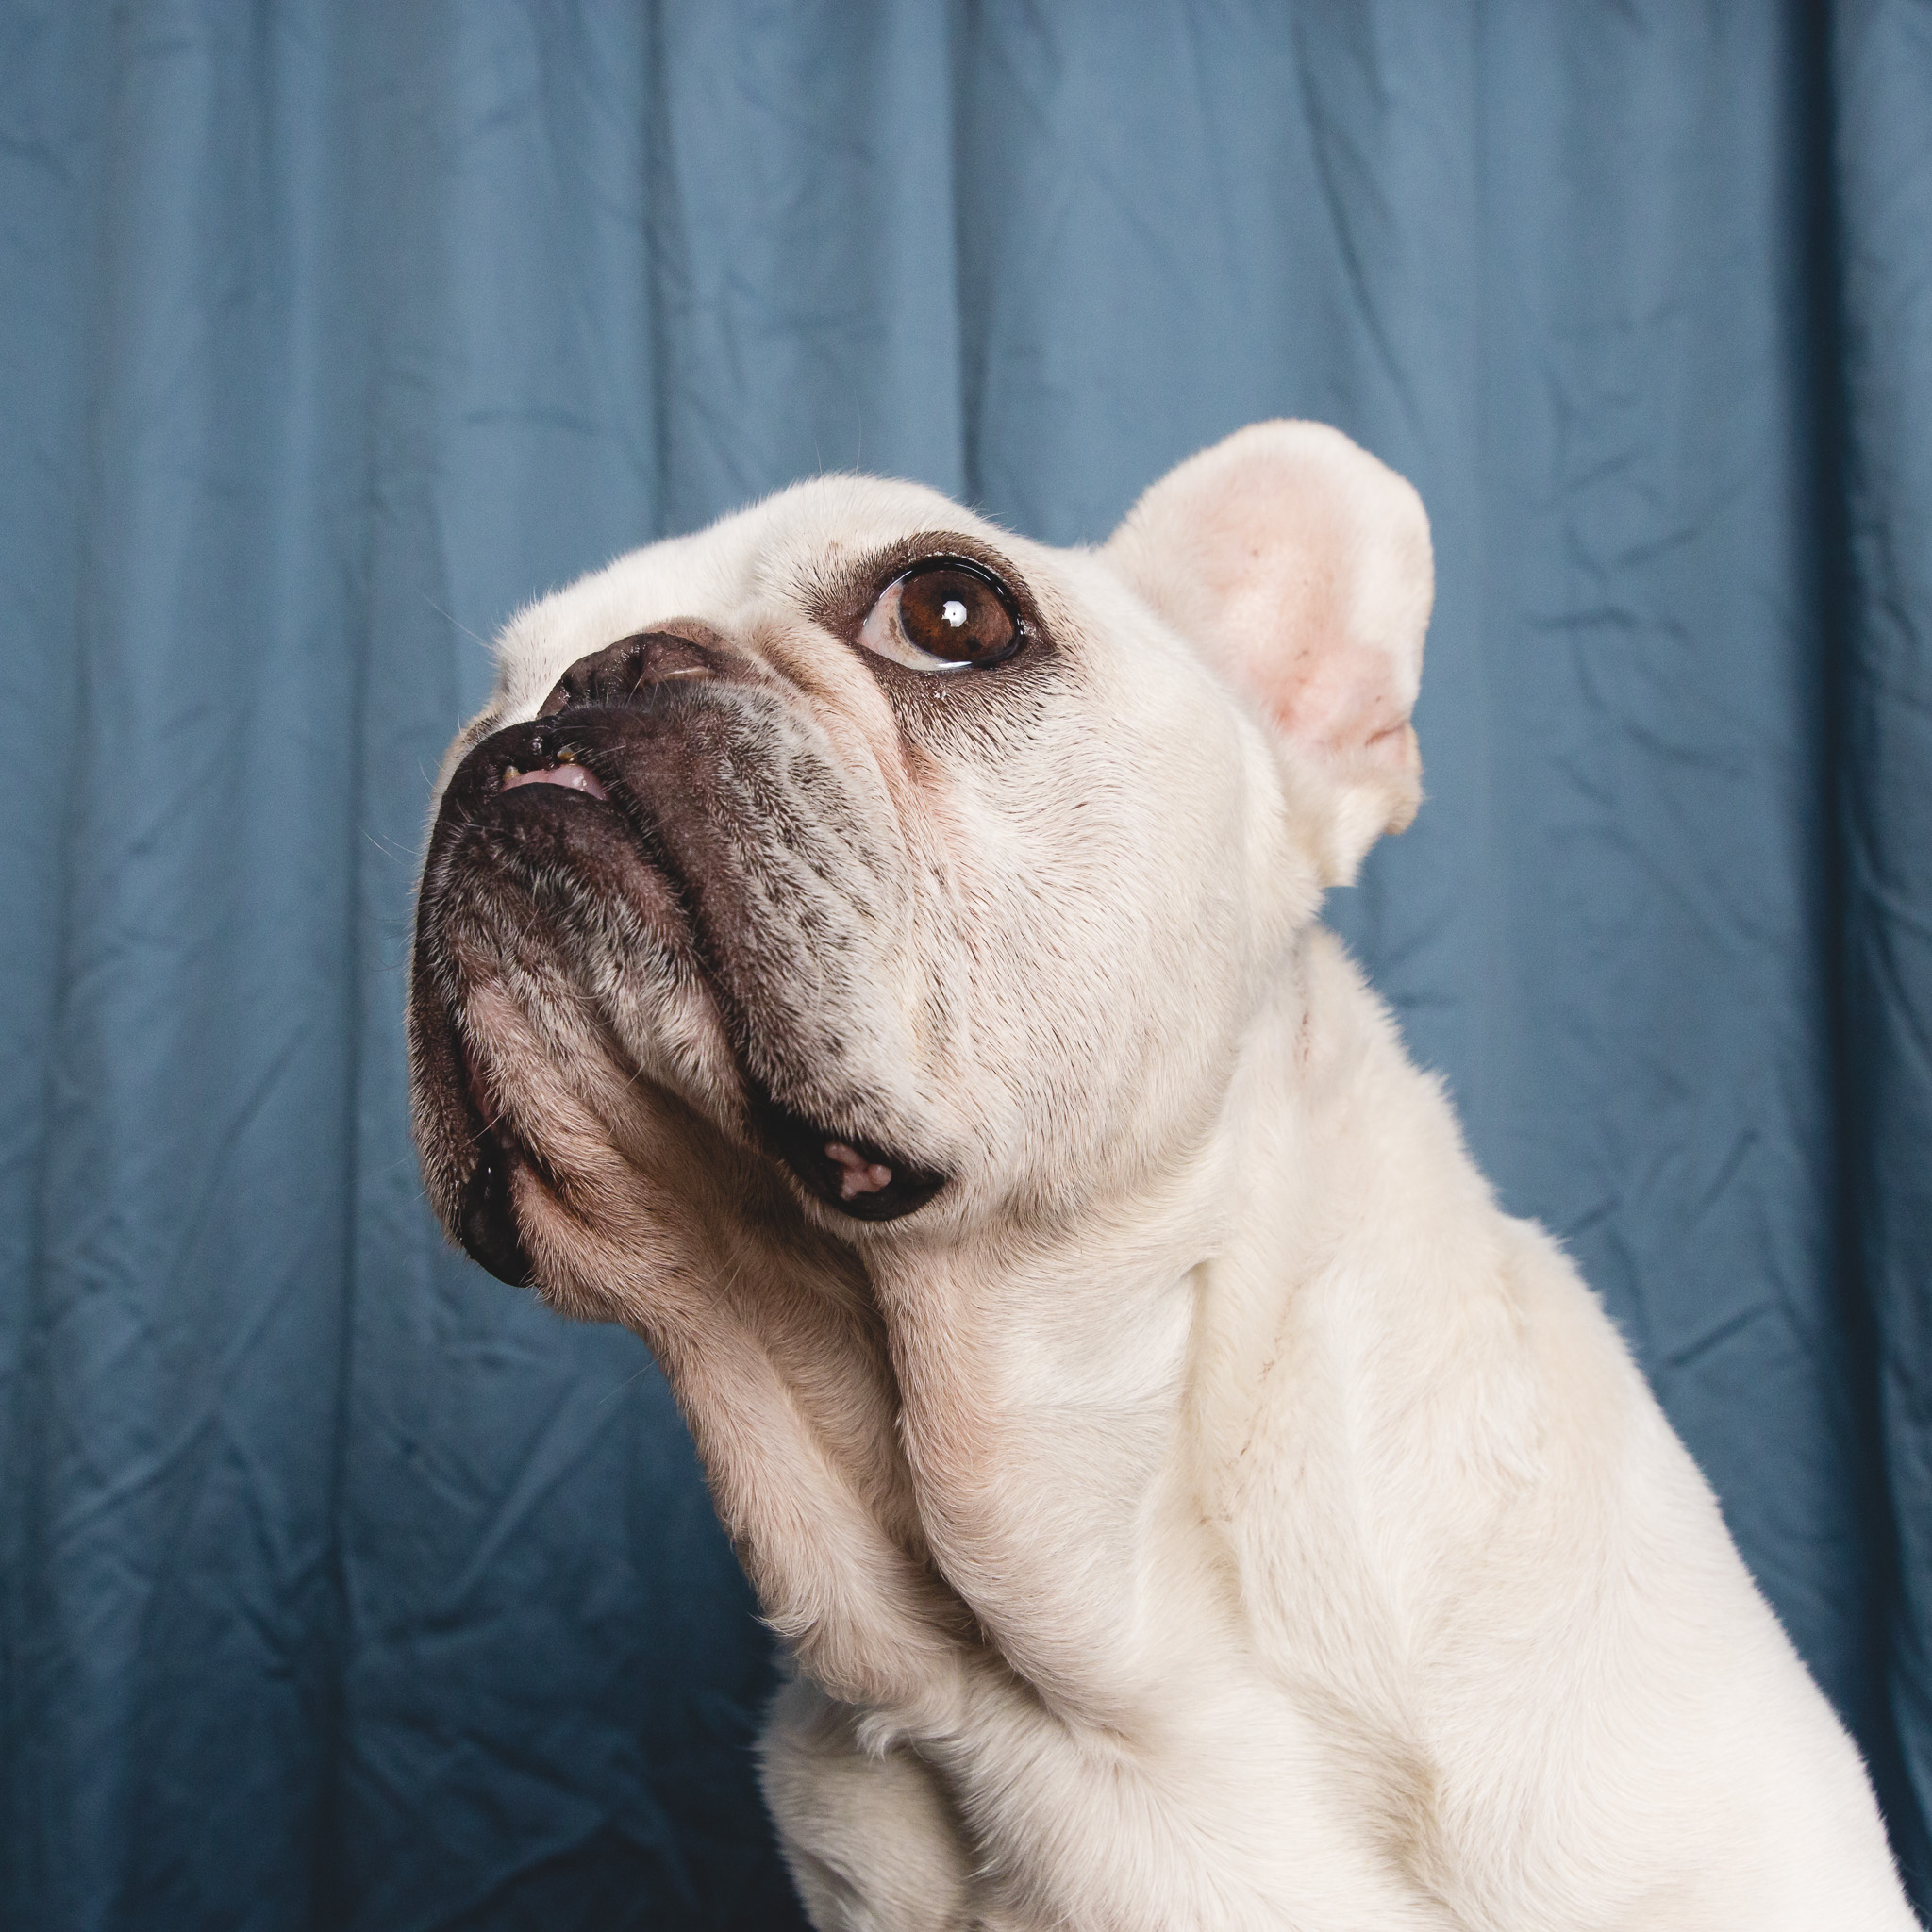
[{"x": 1300, "y": 566}]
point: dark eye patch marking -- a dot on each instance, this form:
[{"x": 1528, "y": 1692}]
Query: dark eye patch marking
[
  {"x": 839, "y": 598},
  {"x": 936, "y": 706}
]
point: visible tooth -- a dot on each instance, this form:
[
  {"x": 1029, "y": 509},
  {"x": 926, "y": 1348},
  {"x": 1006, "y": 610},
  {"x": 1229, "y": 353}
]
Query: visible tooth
[
  {"x": 566, "y": 757},
  {"x": 510, "y": 772}
]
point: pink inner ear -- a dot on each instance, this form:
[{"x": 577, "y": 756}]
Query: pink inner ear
[
  {"x": 1341, "y": 700},
  {"x": 1300, "y": 565},
  {"x": 1278, "y": 562}
]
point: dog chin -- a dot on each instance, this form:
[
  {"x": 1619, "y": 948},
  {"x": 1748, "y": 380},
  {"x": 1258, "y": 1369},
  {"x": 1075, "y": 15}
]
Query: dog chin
[
  {"x": 849, "y": 1174},
  {"x": 487, "y": 1167}
]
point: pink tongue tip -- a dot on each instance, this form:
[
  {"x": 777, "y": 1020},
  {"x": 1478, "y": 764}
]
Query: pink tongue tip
[
  {"x": 857, "y": 1175},
  {"x": 572, "y": 778}
]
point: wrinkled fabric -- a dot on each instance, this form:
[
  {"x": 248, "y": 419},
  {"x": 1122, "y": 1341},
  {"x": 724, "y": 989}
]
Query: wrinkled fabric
[{"x": 342, "y": 1587}]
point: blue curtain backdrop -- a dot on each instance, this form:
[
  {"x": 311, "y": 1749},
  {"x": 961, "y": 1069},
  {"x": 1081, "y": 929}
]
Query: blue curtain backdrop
[{"x": 341, "y": 1587}]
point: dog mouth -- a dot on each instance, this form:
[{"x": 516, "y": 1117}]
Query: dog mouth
[
  {"x": 566, "y": 773},
  {"x": 485, "y": 1222},
  {"x": 605, "y": 831},
  {"x": 850, "y": 1173}
]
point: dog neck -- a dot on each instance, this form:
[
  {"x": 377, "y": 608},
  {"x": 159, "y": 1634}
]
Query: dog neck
[{"x": 1077, "y": 1405}]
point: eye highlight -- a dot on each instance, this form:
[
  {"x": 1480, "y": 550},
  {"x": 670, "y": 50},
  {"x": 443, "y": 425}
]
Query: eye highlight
[{"x": 944, "y": 614}]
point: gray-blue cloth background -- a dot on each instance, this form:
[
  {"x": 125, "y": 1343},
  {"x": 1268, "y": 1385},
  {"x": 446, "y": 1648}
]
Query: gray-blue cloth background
[{"x": 344, "y": 1588}]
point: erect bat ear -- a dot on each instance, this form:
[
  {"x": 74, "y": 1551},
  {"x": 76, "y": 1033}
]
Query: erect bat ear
[{"x": 1300, "y": 566}]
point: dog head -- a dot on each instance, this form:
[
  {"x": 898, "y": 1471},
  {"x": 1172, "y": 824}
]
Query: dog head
[{"x": 857, "y": 860}]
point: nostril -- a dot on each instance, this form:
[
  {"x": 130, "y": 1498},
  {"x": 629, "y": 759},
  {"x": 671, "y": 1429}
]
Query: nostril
[{"x": 622, "y": 672}]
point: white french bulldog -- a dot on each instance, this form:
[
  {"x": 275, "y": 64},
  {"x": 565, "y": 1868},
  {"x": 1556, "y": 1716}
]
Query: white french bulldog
[{"x": 874, "y": 958}]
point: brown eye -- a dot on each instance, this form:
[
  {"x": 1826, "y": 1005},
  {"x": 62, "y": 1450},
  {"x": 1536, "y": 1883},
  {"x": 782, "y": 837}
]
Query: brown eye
[{"x": 941, "y": 616}]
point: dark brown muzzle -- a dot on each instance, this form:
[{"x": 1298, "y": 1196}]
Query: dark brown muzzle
[
  {"x": 627, "y": 785},
  {"x": 490, "y": 853}
]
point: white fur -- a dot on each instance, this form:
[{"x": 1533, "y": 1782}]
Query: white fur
[{"x": 1210, "y": 1510}]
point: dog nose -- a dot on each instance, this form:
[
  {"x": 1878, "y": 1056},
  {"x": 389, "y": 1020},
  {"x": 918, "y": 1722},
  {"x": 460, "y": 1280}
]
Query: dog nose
[{"x": 622, "y": 672}]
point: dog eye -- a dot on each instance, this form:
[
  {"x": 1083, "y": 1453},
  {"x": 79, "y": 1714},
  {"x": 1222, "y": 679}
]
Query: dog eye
[{"x": 945, "y": 615}]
